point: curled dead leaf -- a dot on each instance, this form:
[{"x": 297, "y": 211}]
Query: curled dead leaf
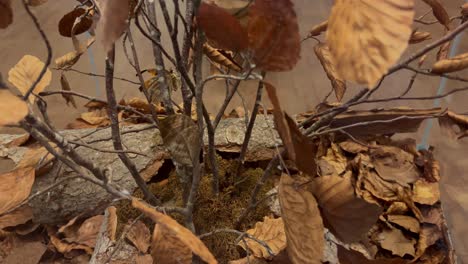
[
  {"x": 139, "y": 234},
  {"x": 323, "y": 54},
  {"x": 12, "y": 108},
  {"x": 419, "y": 36},
  {"x": 448, "y": 121},
  {"x": 26, "y": 72},
  {"x": 347, "y": 216},
  {"x": 6, "y": 13},
  {"x": 274, "y": 34},
  {"x": 302, "y": 222},
  {"x": 456, "y": 63},
  {"x": 15, "y": 187},
  {"x": 439, "y": 12},
  {"x": 180, "y": 232},
  {"x": 217, "y": 57},
  {"x": 318, "y": 29},
  {"x": 168, "y": 249},
  {"x": 271, "y": 231},
  {"x": 68, "y": 20},
  {"x": 395, "y": 165},
  {"x": 222, "y": 28},
  {"x": 428, "y": 236},
  {"x": 66, "y": 87},
  {"x": 367, "y": 37}
]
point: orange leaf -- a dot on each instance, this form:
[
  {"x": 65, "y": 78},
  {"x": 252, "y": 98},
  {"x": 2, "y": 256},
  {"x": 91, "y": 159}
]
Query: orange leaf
[
  {"x": 274, "y": 35},
  {"x": 180, "y": 232},
  {"x": 140, "y": 236},
  {"x": 168, "y": 249},
  {"x": 222, "y": 27}
]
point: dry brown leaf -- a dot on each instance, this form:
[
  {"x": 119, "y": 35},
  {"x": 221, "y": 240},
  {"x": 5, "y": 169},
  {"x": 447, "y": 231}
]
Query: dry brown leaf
[
  {"x": 35, "y": 158},
  {"x": 68, "y": 60},
  {"x": 419, "y": 36},
  {"x": 350, "y": 256},
  {"x": 302, "y": 222},
  {"x": 318, "y": 29},
  {"x": 407, "y": 222},
  {"x": 249, "y": 260},
  {"x": 397, "y": 208},
  {"x": 394, "y": 165},
  {"x": 180, "y": 232},
  {"x": 64, "y": 247},
  {"x": 217, "y": 57},
  {"x": 15, "y": 187},
  {"x": 181, "y": 137},
  {"x": 426, "y": 192},
  {"x": 346, "y": 215},
  {"x": 68, "y": 20},
  {"x": 300, "y": 149},
  {"x": 395, "y": 241},
  {"x": 274, "y": 34},
  {"x": 26, "y": 72},
  {"x": 17, "y": 217},
  {"x": 87, "y": 233},
  {"x": 113, "y": 21},
  {"x": 456, "y": 63},
  {"x": 145, "y": 259},
  {"x": 323, "y": 54},
  {"x": 153, "y": 168},
  {"x": 367, "y": 37},
  {"x": 12, "y": 108},
  {"x": 96, "y": 117},
  {"x": 428, "y": 236},
  {"x": 271, "y": 231},
  {"x": 66, "y": 87},
  {"x": 167, "y": 248},
  {"x": 26, "y": 252},
  {"x": 335, "y": 160},
  {"x": 222, "y": 28},
  {"x": 371, "y": 182},
  {"x": 439, "y": 12},
  {"x": 19, "y": 141},
  {"x": 6, "y": 13},
  {"x": 353, "y": 147},
  {"x": 139, "y": 234}
]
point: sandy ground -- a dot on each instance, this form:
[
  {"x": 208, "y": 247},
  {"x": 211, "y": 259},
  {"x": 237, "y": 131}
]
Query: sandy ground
[{"x": 299, "y": 90}]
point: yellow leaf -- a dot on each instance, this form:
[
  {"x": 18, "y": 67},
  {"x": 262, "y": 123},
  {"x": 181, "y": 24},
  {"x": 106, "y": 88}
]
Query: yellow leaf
[
  {"x": 270, "y": 231},
  {"x": 419, "y": 36},
  {"x": 15, "y": 187},
  {"x": 367, "y": 37},
  {"x": 318, "y": 29},
  {"x": 180, "y": 232},
  {"x": 302, "y": 222},
  {"x": 26, "y": 72},
  {"x": 12, "y": 109}
]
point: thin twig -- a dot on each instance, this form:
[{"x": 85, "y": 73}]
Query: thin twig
[
  {"x": 96, "y": 75},
  {"x": 49, "y": 50},
  {"x": 429, "y": 73},
  {"x": 248, "y": 132},
  {"x": 115, "y": 129}
]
